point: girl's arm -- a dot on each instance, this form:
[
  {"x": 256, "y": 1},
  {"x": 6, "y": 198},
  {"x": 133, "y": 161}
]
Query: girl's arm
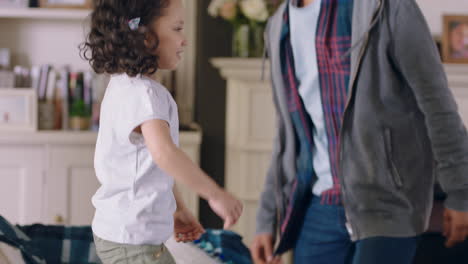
[
  {"x": 186, "y": 226},
  {"x": 179, "y": 200},
  {"x": 176, "y": 163}
]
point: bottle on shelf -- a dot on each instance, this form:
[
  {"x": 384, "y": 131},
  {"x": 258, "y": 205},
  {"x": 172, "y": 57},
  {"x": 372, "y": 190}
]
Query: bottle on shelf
[{"x": 80, "y": 112}]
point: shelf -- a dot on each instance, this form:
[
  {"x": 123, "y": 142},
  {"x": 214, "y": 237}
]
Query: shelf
[{"x": 44, "y": 13}]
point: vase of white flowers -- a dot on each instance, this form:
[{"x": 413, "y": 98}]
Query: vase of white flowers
[
  {"x": 248, "y": 19},
  {"x": 241, "y": 41}
]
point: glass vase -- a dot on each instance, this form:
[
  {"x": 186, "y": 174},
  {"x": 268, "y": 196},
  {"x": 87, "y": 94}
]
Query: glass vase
[
  {"x": 240, "y": 41},
  {"x": 247, "y": 40},
  {"x": 256, "y": 40}
]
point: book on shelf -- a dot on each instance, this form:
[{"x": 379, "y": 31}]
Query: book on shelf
[
  {"x": 62, "y": 95},
  {"x": 51, "y": 85},
  {"x": 35, "y": 77},
  {"x": 44, "y": 75},
  {"x": 71, "y": 92}
]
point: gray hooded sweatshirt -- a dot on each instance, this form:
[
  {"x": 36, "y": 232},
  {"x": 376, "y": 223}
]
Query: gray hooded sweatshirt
[{"x": 401, "y": 128}]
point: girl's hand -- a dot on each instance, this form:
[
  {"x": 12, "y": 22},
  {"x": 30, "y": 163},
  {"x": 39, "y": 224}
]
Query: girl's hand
[
  {"x": 186, "y": 227},
  {"x": 227, "y": 207}
]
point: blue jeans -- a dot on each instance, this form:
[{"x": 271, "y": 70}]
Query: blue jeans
[{"x": 324, "y": 239}]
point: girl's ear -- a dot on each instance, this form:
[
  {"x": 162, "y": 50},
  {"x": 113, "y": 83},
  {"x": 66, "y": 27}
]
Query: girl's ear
[{"x": 151, "y": 41}]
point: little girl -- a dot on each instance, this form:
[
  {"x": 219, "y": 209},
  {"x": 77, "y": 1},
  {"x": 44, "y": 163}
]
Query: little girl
[{"x": 137, "y": 157}]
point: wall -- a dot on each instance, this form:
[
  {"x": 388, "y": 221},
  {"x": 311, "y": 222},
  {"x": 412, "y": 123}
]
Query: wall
[{"x": 433, "y": 10}]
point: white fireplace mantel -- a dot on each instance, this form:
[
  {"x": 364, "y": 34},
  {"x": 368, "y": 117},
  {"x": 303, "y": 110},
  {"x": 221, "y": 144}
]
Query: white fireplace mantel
[
  {"x": 249, "y": 134},
  {"x": 242, "y": 69}
]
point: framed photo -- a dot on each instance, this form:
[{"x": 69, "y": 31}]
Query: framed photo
[
  {"x": 18, "y": 110},
  {"x": 86, "y": 4},
  {"x": 455, "y": 39}
]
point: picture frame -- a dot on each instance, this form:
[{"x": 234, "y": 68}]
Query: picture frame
[
  {"x": 18, "y": 109},
  {"x": 80, "y": 4},
  {"x": 455, "y": 39}
]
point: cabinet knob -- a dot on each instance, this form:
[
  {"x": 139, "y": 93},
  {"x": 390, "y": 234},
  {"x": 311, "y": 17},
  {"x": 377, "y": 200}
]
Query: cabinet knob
[{"x": 59, "y": 219}]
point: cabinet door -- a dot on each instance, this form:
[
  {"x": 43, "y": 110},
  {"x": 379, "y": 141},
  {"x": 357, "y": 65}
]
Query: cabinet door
[
  {"x": 71, "y": 182},
  {"x": 22, "y": 171}
]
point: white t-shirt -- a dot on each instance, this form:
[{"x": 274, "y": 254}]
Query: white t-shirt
[
  {"x": 304, "y": 22},
  {"x": 135, "y": 203}
]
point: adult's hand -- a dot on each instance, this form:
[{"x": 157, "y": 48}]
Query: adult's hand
[
  {"x": 262, "y": 250},
  {"x": 455, "y": 227}
]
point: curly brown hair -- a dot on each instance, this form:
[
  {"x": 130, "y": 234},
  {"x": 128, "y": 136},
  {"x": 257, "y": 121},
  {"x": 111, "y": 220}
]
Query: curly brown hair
[{"x": 112, "y": 47}]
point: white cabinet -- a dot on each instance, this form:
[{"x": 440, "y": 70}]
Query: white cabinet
[
  {"x": 22, "y": 174},
  {"x": 71, "y": 182},
  {"x": 48, "y": 177}
]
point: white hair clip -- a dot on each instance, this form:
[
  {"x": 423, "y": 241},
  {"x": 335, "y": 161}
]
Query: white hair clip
[{"x": 134, "y": 23}]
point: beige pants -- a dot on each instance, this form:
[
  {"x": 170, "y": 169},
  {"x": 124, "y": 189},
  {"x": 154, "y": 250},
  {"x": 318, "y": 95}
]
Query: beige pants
[{"x": 115, "y": 253}]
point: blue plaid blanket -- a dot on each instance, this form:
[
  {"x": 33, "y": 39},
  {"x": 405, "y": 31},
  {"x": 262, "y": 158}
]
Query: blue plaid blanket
[
  {"x": 43, "y": 244},
  {"x": 15, "y": 237},
  {"x": 224, "y": 245},
  {"x": 60, "y": 244},
  {"x": 40, "y": 244}
]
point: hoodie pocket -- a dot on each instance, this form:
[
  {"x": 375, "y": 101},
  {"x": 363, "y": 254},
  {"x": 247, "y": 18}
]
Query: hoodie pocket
[{"x": 392, "y": 168}]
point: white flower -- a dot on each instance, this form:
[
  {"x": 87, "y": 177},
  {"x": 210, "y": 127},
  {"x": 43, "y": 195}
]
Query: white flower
[
  {"x": 255, "y": 9},
  {"x": 229, "y": 10},
  {"x": 216, "y": 5}
]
